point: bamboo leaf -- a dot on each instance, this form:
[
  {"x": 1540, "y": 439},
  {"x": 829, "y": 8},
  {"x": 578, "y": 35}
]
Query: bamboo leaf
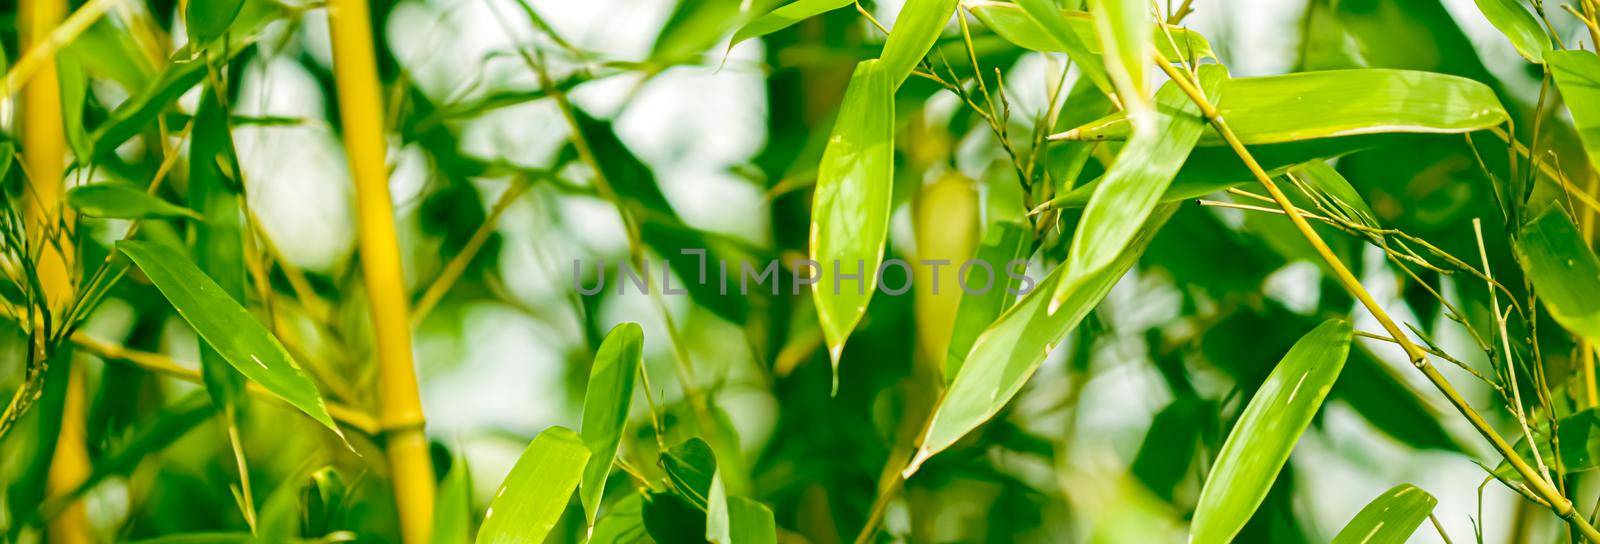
[
  {"x": 1267, "y": 431},
  {"x": 738, "y": 520},
  {"x": 1564, "y": 271},
  {"x": 1011, "y": 350},
  {"x": 1042, "y": 15},
  {"x": 1121, "y": 24},
  {"x": 1390, "y": 518},
  {"x": 850, "y": 205},
  {"x": 214, "y": 189},
  {"x": 623, "y": 523},
  {"x": 946, "y": 224},
  {"x": 74, "y": 81},
  {"x": 208, "y": 20},
  {"x": 537, "y": 490},
  {"x": 605, "y": 409},
  {"x": 227, "y": 327},
  {"x": 915, "y": 30},
  {"x": 1028, "y": 31},
  {"x": 1332, "y": 103},
  {"x": 1577, "y": 75},
  {"x": 118, "y": 201},
  {"x": 452, "y": 509},
  {"x": 1519, "y": 26},
  {"x": 1006, "y": 243},
  {"x": 691, "y": 467},
  {"x": 1133, "y": 186},
  {"x": 784, "y": 17},
  {"x": 1578, "y": 436}
]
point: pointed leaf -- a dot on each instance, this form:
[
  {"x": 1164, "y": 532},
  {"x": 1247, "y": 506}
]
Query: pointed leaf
[
  {"x": 850, "y": 206},
  {"x": 1121, "y": 24},
  {"x": 1390, "y": 518},
  {"x": 915, "y": 30},
  {"x": 1011, "y": 350},
  {"x": 117, "y": 201},
  {"x": 452, "y": 508},
  {"x": 1577, "y": 75},
  {"x": 691, "y": 467},
  {"x": 209, "y": 19},
  {"x": 605, "y": 408},
  {"x": 1267, "y": 431},
  {"x": 227, "y": 327},
  {"x": 1514, "y": 20},
  {"x": 1564, "y": 271},
  {"x": 1025, "y": 29},
  {"x": 1005, "y": 245},
  {"x": 1133, "y": 186},
  {"x": 1311, "y": 105},
  {"x": 1340, "y": 195},
  {"x": 1058, "y": 33},
  {"x": 784, "y": 17},
  {"x": 623, "y": 523},
  {"x": 540, "y": 485}
]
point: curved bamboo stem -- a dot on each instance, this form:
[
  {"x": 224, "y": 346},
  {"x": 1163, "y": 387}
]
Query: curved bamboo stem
[
  {"x": 1541, "y": 487},
  {"x": 400, "y": 407}
]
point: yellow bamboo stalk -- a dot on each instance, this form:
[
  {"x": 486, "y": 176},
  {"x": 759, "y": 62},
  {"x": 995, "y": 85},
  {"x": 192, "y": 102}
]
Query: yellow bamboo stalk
[
  {"x": 400, "y": 409},
  {"x": 43, "y": 155}
]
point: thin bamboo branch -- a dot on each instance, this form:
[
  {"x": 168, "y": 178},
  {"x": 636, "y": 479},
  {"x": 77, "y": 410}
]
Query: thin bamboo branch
[
  {"x": 400, "y": 406},
  {"x": 1419, "y": 358},
  {"x": 458, "y": 264}
]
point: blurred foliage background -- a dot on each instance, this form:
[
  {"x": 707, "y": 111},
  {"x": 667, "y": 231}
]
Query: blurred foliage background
[{"x": 495, "y": 114}]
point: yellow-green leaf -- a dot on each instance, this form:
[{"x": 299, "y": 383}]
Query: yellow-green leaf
[
  {"x": 1267, "y": 431},
  {"x": 915, "y": 30},
  {"x": 605, "y": 409},
  {"x": 1121, "y": 24},
  {"x": 1043, "y": 15},
  {"x": 117, "y": 201},
  {"x": 537, "y": 490},
  {"x": 784, "y": 17},
  {"x": 208, "y": 20},
  {"x": 1564, "y": 271},
  {"x": 738, "y": 520},
  {"x": 1005, "y": 245},
  {"x": 1133, "y": 186},
  {"x": 850, "y": 206},
  {"x": 1577, "y": 75},
  {"x": 1390, "y": 518},
  {"x": 1514, "y": 20},
  {"x": 1336, "y": 191},
  {"x": 1025, "y": 30},
  {"x": 1327, "y": 104},
  {"x": 227, "y": 327},
  {"x": 1011, "y": 350},
  {"x": 452, "y": 508}
]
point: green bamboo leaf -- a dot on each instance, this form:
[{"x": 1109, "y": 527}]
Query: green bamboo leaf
[
  {"x": 1121, "y": 24},
  {"x": 118, "y": 201},
  {"x": 141, "y": 109},
  {"x": 738, "y": 520},
  {"x": 1332, "y": 103},
  {"x": 784, "y": 17},
  {"x": 452, "y": 508},
  {"x": 218, "y": 243},
  {"x": 1133, "y": 186},
  {"x": 1006, "y": 242},
  {"x": 691, "y": 467},
  {"x": 605, "y": 409},
  {"x": 1577, "y": 75},
  {"x": 1042, "y": 15},
  {"x": 107, "y": 51},
  {"x": 850, "y": 206},
  {"x": 915, "y": 30},
  {"x": 623, "y": 523},
  {"x": 1028, "y": 31},
  {"x": 1579, "y": 439},
  {"x": 227, "y": 327},
  {"x": 208, "y": 20},
  {"x": 1564, "y": 271},
  {"x": 74, "y": 85},
  {"x": 1514, "y": 20},
  {"x": 1011, "y": 350},
  {"x": 1390, "y": 518},
  {"x": 1267, "y": 431},
  {"x": 540, "y": 485},
  {"x": 1339, "y": 194}
]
